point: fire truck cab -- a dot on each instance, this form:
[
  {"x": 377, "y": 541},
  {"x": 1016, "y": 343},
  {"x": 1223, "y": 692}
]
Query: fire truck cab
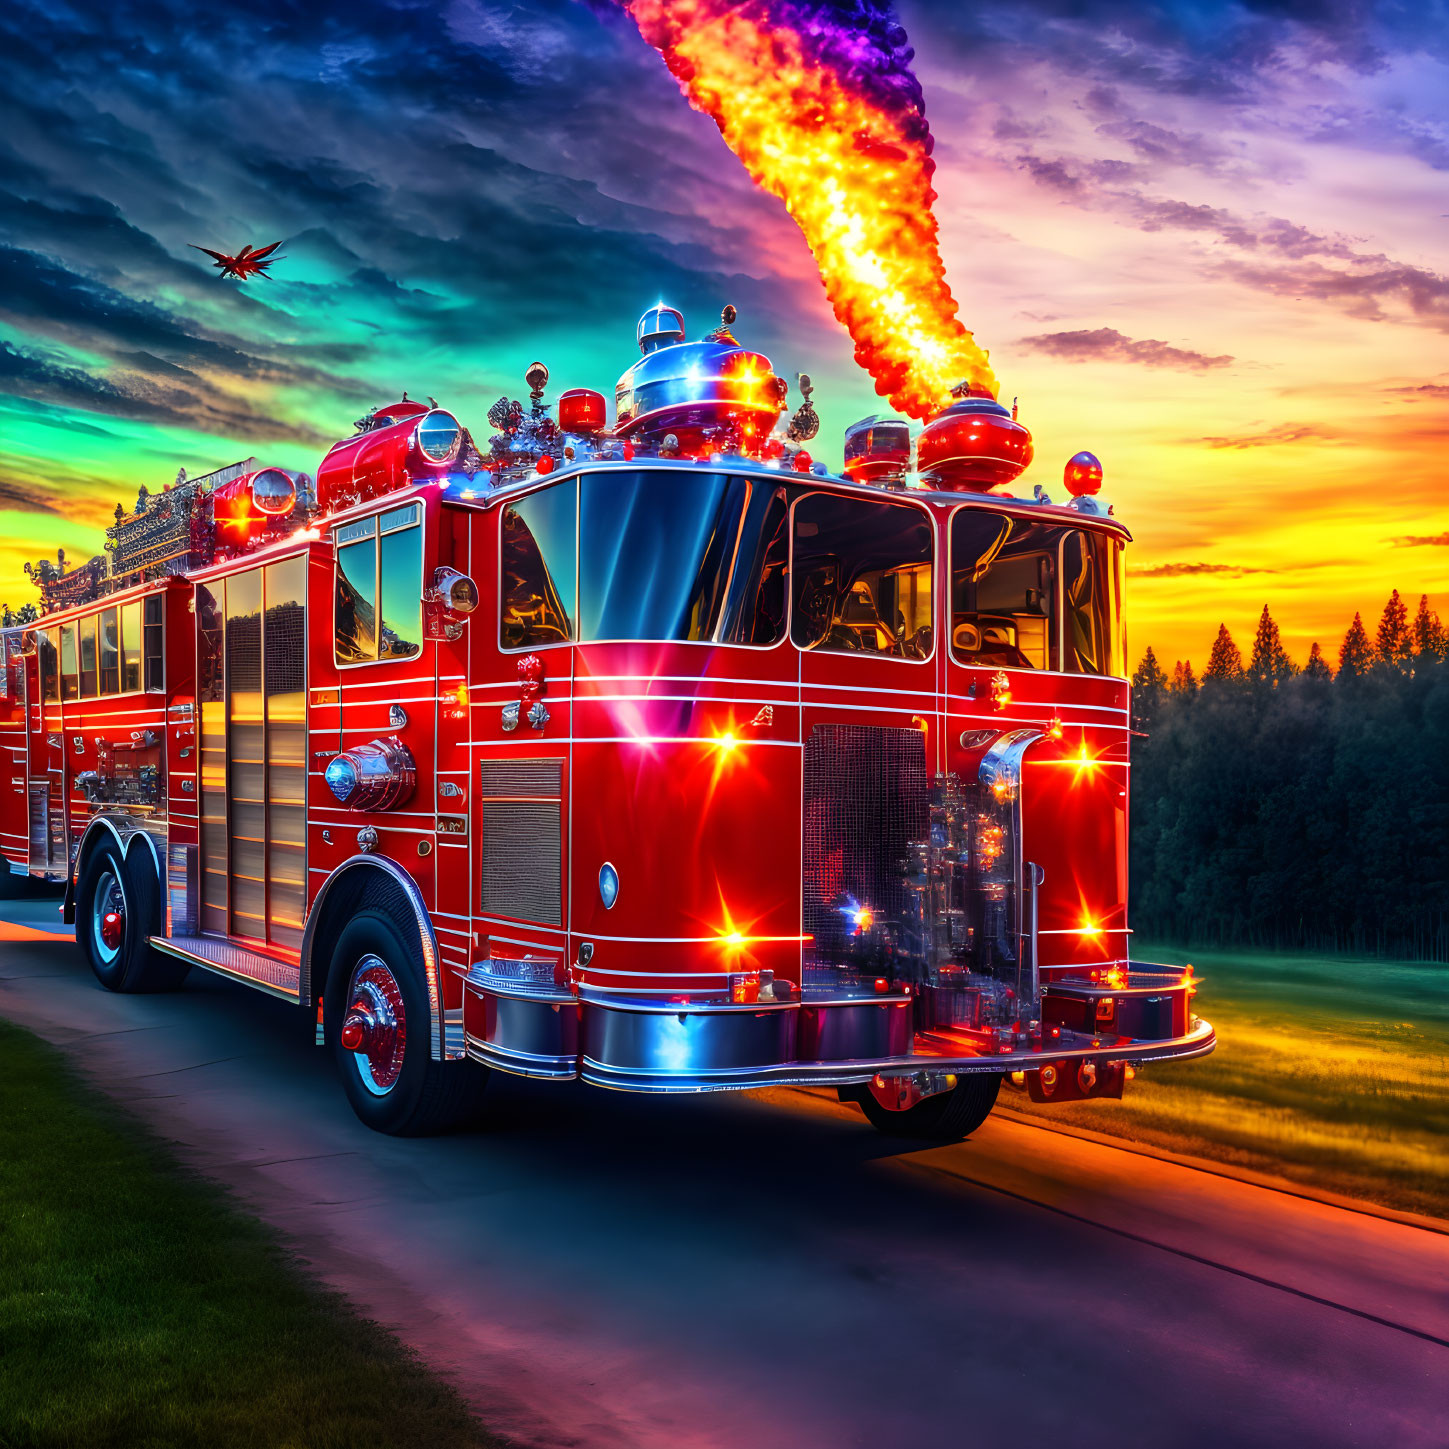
[{"x": 651, "y": 755}]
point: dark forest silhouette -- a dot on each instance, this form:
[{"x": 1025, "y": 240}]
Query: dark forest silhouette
[{"x": 1293, "y": 807}]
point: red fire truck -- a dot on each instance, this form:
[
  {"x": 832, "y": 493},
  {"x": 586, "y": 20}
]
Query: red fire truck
[{"x": 648, "y": 753}]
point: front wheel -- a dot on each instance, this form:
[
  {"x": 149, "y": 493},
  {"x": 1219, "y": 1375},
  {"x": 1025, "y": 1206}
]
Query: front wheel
[
  {"x": 894, "y": 1106},
  {"x": 378, "y": 1026}
]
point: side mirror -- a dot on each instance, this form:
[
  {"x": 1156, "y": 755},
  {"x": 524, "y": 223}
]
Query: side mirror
[{"x": 450, "y": 598}]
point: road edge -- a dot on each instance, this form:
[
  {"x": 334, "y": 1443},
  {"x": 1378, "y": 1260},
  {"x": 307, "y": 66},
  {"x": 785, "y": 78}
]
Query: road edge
[{"x": 1265, "y": 1180}]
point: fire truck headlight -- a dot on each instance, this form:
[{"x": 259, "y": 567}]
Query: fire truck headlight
[
  {"x": 273, "y": 492},
  {"x": 457, "y": 593},
  {"x": 439, "y": 436},
  {"x": 341, "y": 777},
  {"x": 608, "y": 885}
]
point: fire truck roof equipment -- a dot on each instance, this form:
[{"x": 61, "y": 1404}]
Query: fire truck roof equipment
[{"x": 973, "y": 445}]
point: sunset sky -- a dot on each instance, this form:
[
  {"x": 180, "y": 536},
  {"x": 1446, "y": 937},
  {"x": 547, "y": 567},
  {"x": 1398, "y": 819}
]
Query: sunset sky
[{"x": 1208, "y": 241}]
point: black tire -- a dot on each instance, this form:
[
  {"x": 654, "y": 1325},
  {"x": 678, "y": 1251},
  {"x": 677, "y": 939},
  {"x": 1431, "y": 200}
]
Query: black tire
[
  {"x": 427, "y": 1096},
  {"x": 946, "y": 1117},
  {"x": 132, "y": 965}
]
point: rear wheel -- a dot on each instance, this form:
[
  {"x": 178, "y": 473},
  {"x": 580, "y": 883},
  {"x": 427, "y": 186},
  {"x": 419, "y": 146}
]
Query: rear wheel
[
  {"x": 118, "y": 910},
  {"x": 894, "y": 1105},
  {"x": 379, "y": 1024}
]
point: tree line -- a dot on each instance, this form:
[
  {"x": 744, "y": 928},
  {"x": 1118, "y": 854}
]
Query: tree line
[{"x": 1297, "y": 808}]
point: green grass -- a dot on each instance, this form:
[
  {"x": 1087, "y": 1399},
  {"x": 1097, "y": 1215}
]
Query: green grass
[
  {"x": 137, "y": 1307},
  {"x": 1329, "y": 1071}
]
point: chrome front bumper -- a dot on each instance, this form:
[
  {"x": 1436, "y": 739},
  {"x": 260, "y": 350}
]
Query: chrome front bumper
[{"x": 642, "y": 1046}]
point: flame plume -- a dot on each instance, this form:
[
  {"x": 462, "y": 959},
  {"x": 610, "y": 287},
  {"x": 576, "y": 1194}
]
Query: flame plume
[{"x": 817, "y": 98}]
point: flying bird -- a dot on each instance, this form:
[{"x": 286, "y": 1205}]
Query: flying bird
[{"x": 245, "y": 263}]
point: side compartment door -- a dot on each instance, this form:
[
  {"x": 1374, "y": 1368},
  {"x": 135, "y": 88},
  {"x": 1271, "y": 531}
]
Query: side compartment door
[{"x": 252, "y": 693}]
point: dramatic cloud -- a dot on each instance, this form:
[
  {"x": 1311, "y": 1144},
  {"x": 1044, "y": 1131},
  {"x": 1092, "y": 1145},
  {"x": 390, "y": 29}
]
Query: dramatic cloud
[
  {"x": 1106, "y": 344},
  {"x": 1282, "y": 257},
  {"x": 27, "y": 498},
  {"x": 1187, "y": 570},
  {"x": 463, "y": 188},
  {"x": 1437, "y": 540},
  {"x": 1272, "y": 437},
  {"x": 1422, "y": 390}
]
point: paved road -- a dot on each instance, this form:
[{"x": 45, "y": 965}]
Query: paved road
[{"x": 752, "y": 1272}]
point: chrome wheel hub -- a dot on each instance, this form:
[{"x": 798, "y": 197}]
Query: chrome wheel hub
[
  {"x": 375, "y": 1027},
  {"x": 108, "y": 917}
]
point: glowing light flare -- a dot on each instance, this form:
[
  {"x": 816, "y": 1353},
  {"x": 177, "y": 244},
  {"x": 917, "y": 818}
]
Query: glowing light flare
[
  {"x": 736, "y": 936},
  {"x": 855, "y": 176}
]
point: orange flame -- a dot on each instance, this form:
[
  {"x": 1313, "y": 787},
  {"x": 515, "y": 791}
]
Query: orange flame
[{"x": 855, "y": 176}]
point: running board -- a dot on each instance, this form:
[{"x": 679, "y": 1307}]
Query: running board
[{"x": 226, "y": 958}]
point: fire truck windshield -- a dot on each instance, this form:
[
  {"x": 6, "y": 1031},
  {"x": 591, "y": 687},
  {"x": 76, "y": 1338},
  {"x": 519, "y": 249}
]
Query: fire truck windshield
[{"x": 658, "y": 555}]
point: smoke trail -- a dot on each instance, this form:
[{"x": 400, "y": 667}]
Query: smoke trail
[{"x": 817, "y": 98}]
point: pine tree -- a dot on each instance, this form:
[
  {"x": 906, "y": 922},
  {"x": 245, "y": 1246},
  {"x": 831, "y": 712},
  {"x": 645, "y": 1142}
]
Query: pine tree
[
  {"x": 1184, "y": 681},
  {"x": 1317, "y": 666},
  {"x": 1225, "y": 663},
  {"x": 1270, "y": 663},
  {"x": 1393, "y": 640},
  {"x": 1149, "y": 684},
  {"x": 1355, "y": 654},
  {"x": 1428, "y": 632}
]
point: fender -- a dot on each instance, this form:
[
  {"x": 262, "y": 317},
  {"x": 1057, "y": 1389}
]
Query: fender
[
  {"x": 355, "y": 870},
  {"x": 124, "y": 829}
]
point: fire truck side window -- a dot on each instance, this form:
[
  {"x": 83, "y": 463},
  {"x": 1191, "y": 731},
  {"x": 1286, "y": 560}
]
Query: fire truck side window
[
  {"x": 69, "y": 674},
  {"x": 110, "y": 651},
  {"x": 131, "y": 646},
  {"x": 153, "y": 639},
  {"x": 86, "y": 633},
  {"x": 666, "y": 555},
  {"x": 1003, "y": 590},
  {"x": 49, "y": 665},
  {"x": 355, "y": 624},
  {"x": 862, "y": 577},
  {"x": 1092, "y": 596},
  {"x": 540, "y": 569},
  {"x": 378, "y": 602},
  {"x": 400, "y": 583}
]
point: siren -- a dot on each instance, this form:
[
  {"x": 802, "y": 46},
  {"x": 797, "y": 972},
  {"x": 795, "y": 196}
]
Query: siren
[
  {"x": 974, "y": 445},
  {"x": 379, "y": 775},
  {"x": 582, "y": 410},
  {"x": 1083, "y": 475},
  {"x": 713, "y": 396},
  {"x": 877, "y": 450}
]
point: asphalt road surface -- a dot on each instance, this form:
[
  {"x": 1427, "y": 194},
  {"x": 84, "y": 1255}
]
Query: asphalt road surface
[{"x": 747, "y": 1272}]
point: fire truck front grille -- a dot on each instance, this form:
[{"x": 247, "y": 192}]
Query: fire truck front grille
[
  {"x": 520, "y": 816},
  {"x": 866, "y": 799}
]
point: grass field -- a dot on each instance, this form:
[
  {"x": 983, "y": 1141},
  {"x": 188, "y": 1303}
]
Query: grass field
[
  {"x": 138, "y": 1308},
  {"x": 1329, "y": 1071}
]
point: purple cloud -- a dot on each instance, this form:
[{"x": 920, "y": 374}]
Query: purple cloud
[
  {"x": 1283, "y": 433},
  {"x": 1106, "y": 344},
  {"x": 1183, "y": 570}
]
